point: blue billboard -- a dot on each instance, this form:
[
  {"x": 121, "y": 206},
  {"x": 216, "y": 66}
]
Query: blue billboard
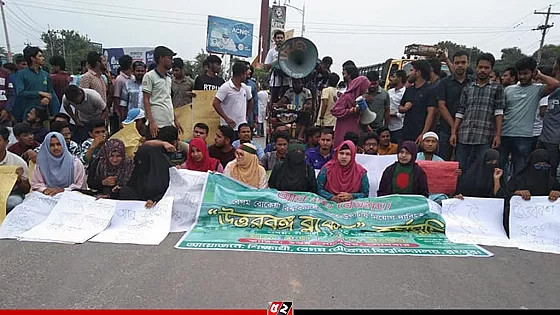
[{"x": 230, "y": 37}]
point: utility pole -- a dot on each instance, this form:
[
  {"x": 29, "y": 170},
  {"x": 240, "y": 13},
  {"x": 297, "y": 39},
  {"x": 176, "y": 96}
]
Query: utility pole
[
  {"x": 2, "y": 4},
  {"x": 544, "y": 29}
]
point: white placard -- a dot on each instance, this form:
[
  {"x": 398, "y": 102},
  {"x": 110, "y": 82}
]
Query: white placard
[
  {"x": 535, "y": 224},
  {"x": 187, "y": 189},
  {"x": 133, "y": 223},
  {"x": 475, "y": 221},
  {"x": 35, "y": 209},
  {"x": 75, "y": 219}
]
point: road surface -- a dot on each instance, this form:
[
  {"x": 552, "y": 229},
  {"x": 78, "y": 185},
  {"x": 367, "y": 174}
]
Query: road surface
[{"x": 94, "y": 275}]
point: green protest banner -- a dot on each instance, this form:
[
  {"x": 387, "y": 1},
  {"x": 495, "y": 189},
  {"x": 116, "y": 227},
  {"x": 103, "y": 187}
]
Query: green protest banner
[{"x": 234, "y": 217}]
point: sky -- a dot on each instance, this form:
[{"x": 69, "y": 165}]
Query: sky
[{"x": 366, "y": 31}]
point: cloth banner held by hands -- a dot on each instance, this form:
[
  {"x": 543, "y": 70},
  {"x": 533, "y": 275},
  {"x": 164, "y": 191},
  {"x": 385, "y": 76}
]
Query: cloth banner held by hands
[{"x": 442, "y": 176}]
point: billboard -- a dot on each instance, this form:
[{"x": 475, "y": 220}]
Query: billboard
[
  {"x": 277, "y": 22},
  {"x": 225, "y": 36},
  {"x": 144, "y": 54}
]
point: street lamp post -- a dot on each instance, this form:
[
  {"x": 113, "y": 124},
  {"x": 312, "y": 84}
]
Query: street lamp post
[{"x": 302, "y": 12}]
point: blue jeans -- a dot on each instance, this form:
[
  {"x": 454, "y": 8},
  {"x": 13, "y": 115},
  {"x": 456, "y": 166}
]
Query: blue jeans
[
  {"x": 468, "y": 153},
  {"x": 519, "y": 148},
  {"x": 13, "y": 200},
  {"x": 445, "y": 149}
]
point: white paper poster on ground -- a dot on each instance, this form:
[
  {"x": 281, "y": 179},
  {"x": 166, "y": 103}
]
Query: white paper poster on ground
[
  {"x": 35, "y": 209},
  {"x": 187, "y": 189},
  {"x": 475, "y": 221},
  {"x": 535, "y": 224},
  {"x": 133, "y": 223},
  {"x": 75, "y": 219}
]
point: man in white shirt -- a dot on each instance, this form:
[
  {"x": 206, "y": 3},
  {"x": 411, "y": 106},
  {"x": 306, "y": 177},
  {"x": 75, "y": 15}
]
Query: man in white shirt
[
  {"x": 22, "y": 186},
  {"x": 233, "y": 101},
  {"x": 279, "y": 82},
  {"x": 395, "y": 95}
]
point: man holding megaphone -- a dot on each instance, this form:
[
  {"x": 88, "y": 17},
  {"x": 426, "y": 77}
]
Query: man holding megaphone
[{"x": 279, "y": 81}]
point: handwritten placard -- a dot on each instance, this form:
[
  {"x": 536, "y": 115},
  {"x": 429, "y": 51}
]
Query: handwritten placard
[{"x": 27, "y": 215}]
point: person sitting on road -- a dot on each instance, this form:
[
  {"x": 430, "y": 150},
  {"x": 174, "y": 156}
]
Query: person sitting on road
[
  {"x": 57, "y": 169},
  {"x": 111, "y": 170},
  {"x": 404, "y": 177},
  {"x": 342, "y": 178},
  {"x": 270, "y": 159},
  {"x": 245, "y": 168},
  {"x": 484, "y": 179},
  {"x": 199, "y": 159},
  {"x": 246, "y": 136},
  {"x": 292, "y": 173},
  {"x": 536, "y": 178}
]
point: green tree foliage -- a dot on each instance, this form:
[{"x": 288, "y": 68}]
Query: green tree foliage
[
  {"x": 452, "y": 48},
  {"x": 194, "y": 67},
  {"x": 68, "y": 43},
  {"x": 549, "y": 54}
]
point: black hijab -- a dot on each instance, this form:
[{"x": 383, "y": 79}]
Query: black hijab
[
  {"x": 150, "y": 178},
  {"x": 479, "y": 179},
  {"x": 293, "y": 170},
  {"x": 537, "y": 182}
]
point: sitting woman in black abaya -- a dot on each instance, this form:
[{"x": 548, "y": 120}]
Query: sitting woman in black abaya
[
  {"x": 150, "y": 178},
  {"x": 536, "y": 178},
  {"x": 484, "y": 179}
]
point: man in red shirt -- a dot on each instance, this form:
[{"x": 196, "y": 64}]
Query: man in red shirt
[
  {"x": 59, "y": 76},
  {"x": 25, "y": 147}
]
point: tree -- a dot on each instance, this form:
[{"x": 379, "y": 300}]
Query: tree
[
  {"x": 194, "y": 68},
  {"x": 453, "y": 48},
  {"x": 67, "y": 43},
  {"x": 549, "y": 55}
]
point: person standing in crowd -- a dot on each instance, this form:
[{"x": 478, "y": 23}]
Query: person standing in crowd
[
  {"x": 404, "y": 177},
  {"x": 209, "y": 80},
  {"x": 246, "y": 169},
  {"x": 269, "y": 160},
  {"x": 59, "y": 76},
  {"x": 541, "y": 110},
  {"x": 6, "y": 97},
  {"x": 182, "y": 86},
  {"x": 232, "y": 97},
  {"x": 97, "y": 136},
  {"x": 156, "y": 86},
  {"x": 36, "y": 117},
  {"x": 111, "y": 171},
  {"x": 83, "y": 106},
  {"x": 343, "y": 179},
  {"x": 26, "y": 145},
  {"x": 131, "y": 91},
  {"x": 293, "y": 174},
  {"x": 279, "y": 81},
  {"x": 521, "y": 103},
  {"x": 449, "y": 97},
  {"x": 83, "y": 70},
  {"x": 252, "y": 86},
  {"x": 378, "y": 101},
  {"x": 302, "y": 99},
  {"x": 92, "y": 79},
  {"x": 319, "y": 156},
  {"x": 150, "y": 179},
  {"x": 536, "y": 178},
  {"x": 509, "y": 77},
  {"x": 484, "y": 179},
  {"x": 199, "y": 159},
  {"x": 396, "y": 94},
  {"x": 125, "y": 76},
  {"x": 479, "y": 116},
  {"x": 57, "y": 170},
  {"x": 222, "y": 149},
  {"x": 550, "y": 137},
  {"x": 33, "y": 85},
  {"x": 495, "y": 77},
  {"x": 22, "y": 186},
  {"x": 355, "y": 138},
  {"x": 418, "y": 103},
  {"x": 430, "y": 143},
  {"x": 386, "y": 147},
  {"x": 345, "y": 110},
  {"x": 264, "y": 98},
  {"x": 371, "y": 143},
  {"x": 246, "y": 136},
  {"x": 328, "y": 99},
  {"x": 63, "y": 128}
]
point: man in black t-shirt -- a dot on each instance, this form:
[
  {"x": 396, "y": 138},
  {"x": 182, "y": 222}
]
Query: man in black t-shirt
[{"x": 210, "y": 80}]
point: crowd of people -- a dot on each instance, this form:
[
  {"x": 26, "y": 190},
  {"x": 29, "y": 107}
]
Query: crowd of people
[{"x": 504, "y": 132}]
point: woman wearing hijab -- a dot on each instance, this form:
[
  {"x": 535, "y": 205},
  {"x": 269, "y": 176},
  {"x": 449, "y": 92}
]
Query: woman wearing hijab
[
  {"x": 199, "y": 158},
  {"x": 484, "y": 179},
  {"x": 111, "y": 170},
  {"x": 536, "y": 178},
  {"x": 246, "y": 168},
  {"x": 345, "y": 111},
  {"x": 57, "y": 169},
  {"x": 293, "y": 174},
  {"x": 150, "y": 179},
  {"x": 342, "y": 178},
  {"x": 404, "y": 177}
]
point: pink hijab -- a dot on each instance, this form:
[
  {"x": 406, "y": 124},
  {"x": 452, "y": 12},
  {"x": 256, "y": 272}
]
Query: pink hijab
[
  {"x": 344, "y": 178},
  {"x": 357, "y": 87}
]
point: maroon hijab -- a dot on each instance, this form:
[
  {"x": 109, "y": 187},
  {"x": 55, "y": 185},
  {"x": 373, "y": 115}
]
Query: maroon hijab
[{"x": 344, "y": 178}]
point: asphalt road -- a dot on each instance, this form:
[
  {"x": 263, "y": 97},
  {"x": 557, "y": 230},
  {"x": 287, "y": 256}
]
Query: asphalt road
[{"x": 93, "y": 275}]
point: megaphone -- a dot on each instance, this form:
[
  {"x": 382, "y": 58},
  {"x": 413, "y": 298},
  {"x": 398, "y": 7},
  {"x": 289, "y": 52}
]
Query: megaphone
[
  {"x": 366, "y": 116},
  {"x": 297, "y": 57}
]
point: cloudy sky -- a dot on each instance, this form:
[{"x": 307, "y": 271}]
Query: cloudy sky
[{"x": 366, "y": 31}]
